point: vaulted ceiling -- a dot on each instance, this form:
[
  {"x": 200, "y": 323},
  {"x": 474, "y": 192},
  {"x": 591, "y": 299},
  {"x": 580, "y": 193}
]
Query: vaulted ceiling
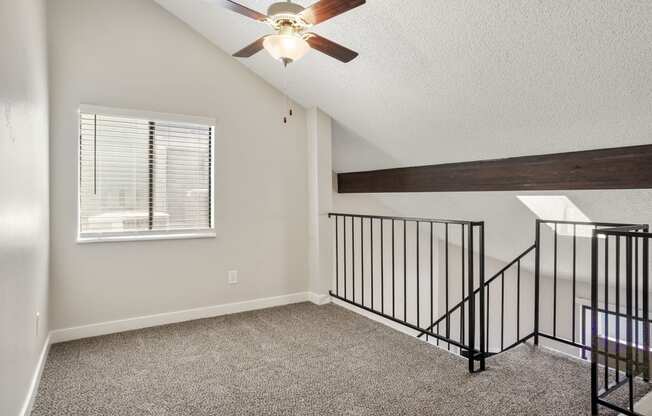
[
  {"x": 466, "y": 79},
  {"x": 457, "y": 80}
]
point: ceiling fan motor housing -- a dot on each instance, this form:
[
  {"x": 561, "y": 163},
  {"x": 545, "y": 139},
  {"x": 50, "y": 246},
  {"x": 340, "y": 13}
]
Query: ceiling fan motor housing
[
  {"x": 284, "y": 16},
  {"x": 284, "y": 8}
]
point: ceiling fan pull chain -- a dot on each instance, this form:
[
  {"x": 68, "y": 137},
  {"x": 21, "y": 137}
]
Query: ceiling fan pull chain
[
  {"x": 285, "y": 93},
  {"x": 287, "y": 88}
]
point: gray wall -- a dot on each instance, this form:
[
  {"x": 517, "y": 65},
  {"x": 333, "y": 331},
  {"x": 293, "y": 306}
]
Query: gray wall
[
  {"x": 24, "y": 230},
  {"x": 133, "y": 54}
]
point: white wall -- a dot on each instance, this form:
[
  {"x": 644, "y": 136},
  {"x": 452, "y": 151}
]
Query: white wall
[
  {"x": 133, "y": 54},
  {"x": 23, "y": 197},
  {"x": 320, "y": 203}
]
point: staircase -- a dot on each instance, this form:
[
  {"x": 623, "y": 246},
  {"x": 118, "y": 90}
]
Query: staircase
[{"x": 428, "y": 275}]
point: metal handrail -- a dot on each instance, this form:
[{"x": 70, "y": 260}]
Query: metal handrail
[
  {"x": 410, "y": 219},
  {"x": 637, "y": 230},
  {"x": 476, "y": 291},
  {"x": 585, "y": 223}
]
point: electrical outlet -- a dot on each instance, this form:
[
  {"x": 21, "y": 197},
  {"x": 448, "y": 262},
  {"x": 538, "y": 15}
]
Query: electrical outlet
[
  {"x": 233, "y": 277},
  {"x": 38, "y": 322}
]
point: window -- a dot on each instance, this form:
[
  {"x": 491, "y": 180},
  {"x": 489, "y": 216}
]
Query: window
[{"x": 144, "y": 175}]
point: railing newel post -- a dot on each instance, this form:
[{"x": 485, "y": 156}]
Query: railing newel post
[
  {"x": 594, "y": 323},
  {"x": 471, "y": 337},
  {"x": 646, "y": 306},
  {"x": 481, "y": 260}
]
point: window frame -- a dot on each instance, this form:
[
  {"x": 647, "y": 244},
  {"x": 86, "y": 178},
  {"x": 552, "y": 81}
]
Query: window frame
[{"x": 127, "y": 236}]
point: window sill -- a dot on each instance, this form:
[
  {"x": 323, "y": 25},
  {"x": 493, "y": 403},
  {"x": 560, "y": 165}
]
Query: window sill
[{"x": 152, "y": 237}]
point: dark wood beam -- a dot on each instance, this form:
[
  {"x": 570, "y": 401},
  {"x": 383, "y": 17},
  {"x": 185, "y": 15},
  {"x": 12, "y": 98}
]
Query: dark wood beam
[{"x": 615, "y": 168}]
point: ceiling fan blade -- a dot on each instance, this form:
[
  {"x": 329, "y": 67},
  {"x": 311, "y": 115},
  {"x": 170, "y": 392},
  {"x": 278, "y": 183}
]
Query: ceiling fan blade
[
  {"x": 330, "y": 48},
  {"x": 243, "y": 10},
  {"x": 325, "y": 9},
  {"x": 250, "y": 50}
]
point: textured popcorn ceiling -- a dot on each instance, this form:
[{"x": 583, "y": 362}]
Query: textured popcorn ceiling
[
  {"x": 465, "y": 79},
  {"x": 442, "y": 81}
]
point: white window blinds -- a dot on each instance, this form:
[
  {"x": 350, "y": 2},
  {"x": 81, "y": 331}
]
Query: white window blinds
[{"x": 143, "y": 176}]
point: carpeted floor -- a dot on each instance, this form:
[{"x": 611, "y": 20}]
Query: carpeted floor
[{"x": 298, "y": 360}]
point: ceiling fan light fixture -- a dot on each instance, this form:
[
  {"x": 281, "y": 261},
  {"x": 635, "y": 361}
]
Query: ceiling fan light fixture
[{"x": 286, "y": 47}]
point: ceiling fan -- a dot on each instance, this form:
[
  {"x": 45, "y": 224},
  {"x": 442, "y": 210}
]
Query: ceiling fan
[{"x": 291, "y": 22}]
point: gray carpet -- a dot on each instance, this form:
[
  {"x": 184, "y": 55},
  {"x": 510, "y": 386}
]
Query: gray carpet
[{"x": 298, "y": 360}]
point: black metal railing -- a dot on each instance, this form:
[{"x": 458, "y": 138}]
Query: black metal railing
[
  {"x": 505, "y": 335},
  {"x": 510, "y": 334},
  {"x": 529, "y": 291},
  {"x": 563, "y": 267},
  {"x": 620, "y": 256},
  {"x": 386, "y": 266}
]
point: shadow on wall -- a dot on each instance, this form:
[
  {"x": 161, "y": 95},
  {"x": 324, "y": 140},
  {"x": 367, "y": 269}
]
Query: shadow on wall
[{"x": 348, "y": 146}]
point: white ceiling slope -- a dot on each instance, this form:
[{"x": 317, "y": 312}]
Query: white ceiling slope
[
  {"x": 453, "y": 80},
  {"x": 459, "y": 80}
]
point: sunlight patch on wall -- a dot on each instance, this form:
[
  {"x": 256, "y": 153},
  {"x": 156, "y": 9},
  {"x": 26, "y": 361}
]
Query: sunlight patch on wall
[{"x": 560, "y": 208}]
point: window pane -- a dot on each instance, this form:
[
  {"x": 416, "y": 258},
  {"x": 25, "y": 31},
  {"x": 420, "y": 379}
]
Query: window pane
[
  {"x": 181, "y": 176},
  {"x": 114, "y": 174}
]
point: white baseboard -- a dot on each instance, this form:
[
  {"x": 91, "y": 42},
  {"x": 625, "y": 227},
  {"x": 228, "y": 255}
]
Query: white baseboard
[
  {"x": 644, "y": 405},
  {"x": 111, "y": 327},
  {"x": 375, "y": 317},
  {"x": 26, "y": 410},
  {"x": 318, "y": 299}
]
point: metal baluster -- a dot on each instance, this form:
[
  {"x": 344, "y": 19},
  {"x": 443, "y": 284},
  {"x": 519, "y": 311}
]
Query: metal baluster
[
  {"x": 344, "y": 241},
  {"x": 382, "y": 267},
  {"x": 584, "y": 309},
  {"x": 606, "y": 312},
  {"x": 362, "y": 257},
  {"x": 447, "y": 315},
  {"x": 502, "y": 311},
  {"x": 353, "y": 255},
  {"x": 617, "y": 309},
  {"x": 518, "y": 300},
  {"x": 371, "y": 232},
  {"x": 646, "y": 311},
  {"x": 537, "y": 278},
  {"x": 404, "y": 271},
  {"x": 462, "y": 312},
  {"x": 393, "y": 276},
  {"x": 337, "y": 257},
  {"x": 432, "y": 317},
  {"x": 636, "y": 314},
  {"x": 574, "y": 277},
  {"x": 418, "y": 277},
  {"x": 482, "y": 289},
  {"x": 629, "y": 306},
  {"x": 488, "y": 314},
  {"x": 554, "y": 294}
]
